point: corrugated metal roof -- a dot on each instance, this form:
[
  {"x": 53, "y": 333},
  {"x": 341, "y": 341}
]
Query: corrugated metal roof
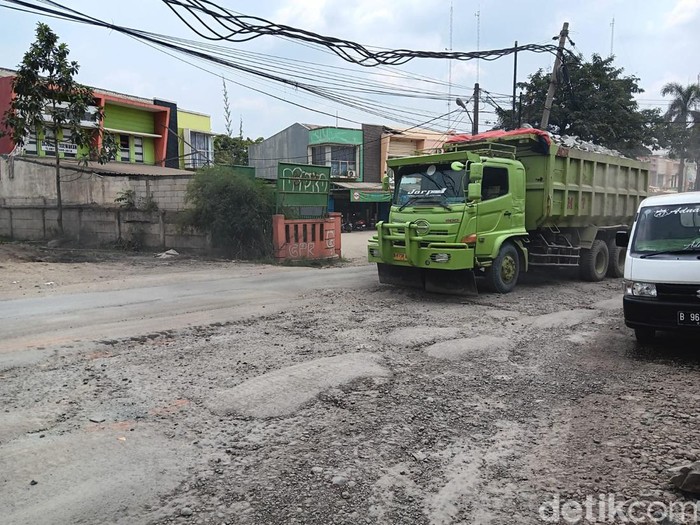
[{"x": 111, "y": 168}]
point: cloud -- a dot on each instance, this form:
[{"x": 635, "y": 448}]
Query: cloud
[{"x": 683, "y": 12}]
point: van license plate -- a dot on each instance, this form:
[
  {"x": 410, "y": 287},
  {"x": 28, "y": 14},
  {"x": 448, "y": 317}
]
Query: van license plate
[
  {"x": 400, "y": 257},
  {"x": 689, "y": 318}
]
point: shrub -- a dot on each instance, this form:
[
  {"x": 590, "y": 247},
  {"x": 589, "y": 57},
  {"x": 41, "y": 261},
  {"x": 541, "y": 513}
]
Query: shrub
[{"x": 234, "y": 209}]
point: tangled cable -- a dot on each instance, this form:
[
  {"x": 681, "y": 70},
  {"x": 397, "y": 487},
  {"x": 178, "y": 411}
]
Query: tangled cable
[{"x": 242, "y": 28}]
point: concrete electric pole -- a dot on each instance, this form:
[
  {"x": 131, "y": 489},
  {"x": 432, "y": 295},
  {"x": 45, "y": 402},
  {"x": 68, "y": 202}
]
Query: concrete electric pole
[{"x": 553, "y": 80}]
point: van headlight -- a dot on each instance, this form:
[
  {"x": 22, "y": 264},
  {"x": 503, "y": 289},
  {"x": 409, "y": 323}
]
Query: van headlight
[{"x": 640, "y": 289}]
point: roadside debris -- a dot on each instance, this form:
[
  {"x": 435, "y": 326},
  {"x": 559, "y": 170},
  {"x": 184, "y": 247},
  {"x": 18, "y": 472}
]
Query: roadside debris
[
  {"x": 687, "y": 478},
  {"x": 167, "y": 254}
]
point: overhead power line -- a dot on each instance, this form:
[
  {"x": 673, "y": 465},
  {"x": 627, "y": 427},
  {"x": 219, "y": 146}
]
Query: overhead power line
[{"x": 234, "y": 27}]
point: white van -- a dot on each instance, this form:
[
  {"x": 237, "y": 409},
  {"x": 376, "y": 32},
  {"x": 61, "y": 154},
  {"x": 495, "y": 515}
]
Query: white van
[{"x": 662, "y": 269}]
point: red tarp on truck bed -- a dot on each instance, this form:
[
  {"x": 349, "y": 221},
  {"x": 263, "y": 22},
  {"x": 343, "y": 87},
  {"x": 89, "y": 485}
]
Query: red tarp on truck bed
[{"x": 487, "y": 135}]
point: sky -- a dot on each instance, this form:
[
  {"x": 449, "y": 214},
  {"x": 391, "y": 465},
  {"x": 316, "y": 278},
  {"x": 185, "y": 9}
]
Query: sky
[{"x": 657, "y": 41}]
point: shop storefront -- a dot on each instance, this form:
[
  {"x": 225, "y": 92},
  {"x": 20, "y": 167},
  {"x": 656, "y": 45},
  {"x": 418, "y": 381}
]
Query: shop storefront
[{"x": 360, "y": 201}]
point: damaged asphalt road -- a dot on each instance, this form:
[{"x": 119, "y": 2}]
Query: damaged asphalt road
[{"x": 320, "y": 396}]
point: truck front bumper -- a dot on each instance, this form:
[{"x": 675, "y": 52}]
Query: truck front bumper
[
  {"x": 413, "y": 250},
  {"x": 660, "y": 315}
]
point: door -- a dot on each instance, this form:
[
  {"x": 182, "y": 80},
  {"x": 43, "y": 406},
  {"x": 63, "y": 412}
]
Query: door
[{"x": 495, "y": 211}]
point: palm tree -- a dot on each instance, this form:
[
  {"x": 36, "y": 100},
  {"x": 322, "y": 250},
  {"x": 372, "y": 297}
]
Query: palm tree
[{"x": 681, "y": 112}]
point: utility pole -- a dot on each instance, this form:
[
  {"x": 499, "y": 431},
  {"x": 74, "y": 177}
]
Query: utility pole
[
  {"x": 475, "y": 124},
  {"x": 449, "y": 77},
  {"x": 515, "y": 77},
  {"x": 612, "y": 36},
  {"x": 553, "y": 80}
]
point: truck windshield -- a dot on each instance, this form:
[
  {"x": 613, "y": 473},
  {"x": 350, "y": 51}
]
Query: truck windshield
[
  {"x": 429, "y": 183},
  {"x": 663, "y": 229}
]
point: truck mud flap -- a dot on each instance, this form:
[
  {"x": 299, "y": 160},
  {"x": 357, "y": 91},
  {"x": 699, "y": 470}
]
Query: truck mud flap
[
  {"x": 451, "y": 282},
  {"x": 400, "y": 275}
]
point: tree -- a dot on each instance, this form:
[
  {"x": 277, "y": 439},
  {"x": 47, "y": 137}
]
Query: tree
[
  {"x": 681, "y": 113},
  {"x": 594, "y": 101},
  {"x": 45, "y": 87},
  {"x": 234, "y": 209},
  {"x": 231, "y": 151}
]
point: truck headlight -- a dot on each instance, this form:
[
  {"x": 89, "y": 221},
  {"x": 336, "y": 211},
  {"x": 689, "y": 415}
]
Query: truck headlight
[
  {"x": 374, "y": 252},
  {"x": 640, "y": 289}
]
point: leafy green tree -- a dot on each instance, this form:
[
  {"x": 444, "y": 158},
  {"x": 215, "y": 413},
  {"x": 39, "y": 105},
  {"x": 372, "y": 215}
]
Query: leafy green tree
[
  {"x": 229, "y": 151},
  {"x": 45, "y": 85},
  {"x": 234, "y": 209},
  {"x": 594, "y": 101},
  {"x": 685, "y": 121}
]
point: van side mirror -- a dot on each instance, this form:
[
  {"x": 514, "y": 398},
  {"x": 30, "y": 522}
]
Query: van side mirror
[
  {"x": 474, "y": 191},
  {"x": 622, "y": 238}
]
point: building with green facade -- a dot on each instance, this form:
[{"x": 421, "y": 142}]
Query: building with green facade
[
  {"x": 148, "y": 131},
  {"x": 356, "y": 158}
]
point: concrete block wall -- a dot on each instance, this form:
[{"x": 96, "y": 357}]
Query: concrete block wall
[
  {"x": 93, "y": 226},
  {"x": 24, "y": 182}
]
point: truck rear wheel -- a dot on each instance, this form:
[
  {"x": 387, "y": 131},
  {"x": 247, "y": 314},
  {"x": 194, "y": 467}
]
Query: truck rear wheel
[
  {"x": 593, "y": 264},
  {"x": 617, "y": 255},
  {"x": 503, "y": 274}
]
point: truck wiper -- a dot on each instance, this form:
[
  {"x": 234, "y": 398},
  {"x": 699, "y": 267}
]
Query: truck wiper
[{"x": 670, "y": 252}]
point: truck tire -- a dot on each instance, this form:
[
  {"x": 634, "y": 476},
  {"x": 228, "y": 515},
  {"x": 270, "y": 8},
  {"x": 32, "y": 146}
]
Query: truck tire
[
  {"x": 593, "y": 264},
  {"x": 616, "y": 264},
  {"x": 503, "y": 274}
]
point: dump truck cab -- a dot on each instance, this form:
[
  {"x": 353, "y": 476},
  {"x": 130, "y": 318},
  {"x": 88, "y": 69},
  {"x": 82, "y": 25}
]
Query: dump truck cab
[{"x": 450, "y": 214}]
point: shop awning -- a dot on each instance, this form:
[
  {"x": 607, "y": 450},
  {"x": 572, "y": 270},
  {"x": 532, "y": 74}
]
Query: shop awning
[{"x": 364, "y": 191}]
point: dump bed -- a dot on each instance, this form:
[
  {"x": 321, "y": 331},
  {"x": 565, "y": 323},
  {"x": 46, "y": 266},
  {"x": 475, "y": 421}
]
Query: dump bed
[{"x": 566, "y": 187}]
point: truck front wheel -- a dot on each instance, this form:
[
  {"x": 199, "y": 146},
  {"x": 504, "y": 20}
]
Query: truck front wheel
[
  {"x": 503, "y": 274},
  {"x": 593, "y": 264}
]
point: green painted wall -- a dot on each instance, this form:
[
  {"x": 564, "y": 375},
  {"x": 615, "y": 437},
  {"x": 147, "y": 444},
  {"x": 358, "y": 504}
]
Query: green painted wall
[
  {"x": 340, "y": 136},
  {"x": 128, "y": 119},
  {"x": 335, "y": 136},
  {"x": 194, "y": 121},
  {"x": 149, "y": 150}
]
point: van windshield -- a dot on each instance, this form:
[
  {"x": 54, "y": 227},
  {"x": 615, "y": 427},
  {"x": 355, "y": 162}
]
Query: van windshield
[{"x": 667, "y": 228}]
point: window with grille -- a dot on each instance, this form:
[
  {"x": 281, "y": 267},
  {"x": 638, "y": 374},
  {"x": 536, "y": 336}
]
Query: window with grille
[
  {"x": 201, "y": 149},
  {"x": 124, "y": 148},
  {"x": 138, "y": 149}
]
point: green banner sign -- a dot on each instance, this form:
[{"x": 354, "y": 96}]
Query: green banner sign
[{"x": 369, "y": 196}]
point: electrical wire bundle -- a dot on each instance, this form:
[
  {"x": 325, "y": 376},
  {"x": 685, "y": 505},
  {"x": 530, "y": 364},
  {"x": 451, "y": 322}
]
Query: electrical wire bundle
[
  {"x": 242, "y": 28},
  {"x": 337, "y": 85}
]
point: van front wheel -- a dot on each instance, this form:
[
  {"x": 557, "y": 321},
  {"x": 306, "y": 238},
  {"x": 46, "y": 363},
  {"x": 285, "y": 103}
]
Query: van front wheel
[{"x": 644, "y": 335}]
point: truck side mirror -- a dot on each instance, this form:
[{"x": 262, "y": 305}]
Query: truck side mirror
[
  {"x": 622, "y": 239},
  {"x": 385, "y": 183},
  {"x": 474, "y": 191},
  {"x": 476, "y": 172}
]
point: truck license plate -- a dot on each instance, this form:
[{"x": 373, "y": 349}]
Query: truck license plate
[
  {"x": 689, "y": 318},
  {"x": 400, "y": 257}
]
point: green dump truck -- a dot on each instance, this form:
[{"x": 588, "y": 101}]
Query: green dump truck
[{"x": 500, "y": 203}]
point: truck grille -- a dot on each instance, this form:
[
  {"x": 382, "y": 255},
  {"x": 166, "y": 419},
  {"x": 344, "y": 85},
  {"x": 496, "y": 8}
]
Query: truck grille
[{"x": 681, "y": 293}]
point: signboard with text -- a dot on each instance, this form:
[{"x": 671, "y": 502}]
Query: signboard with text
[{"x": 302, "y": 190}]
